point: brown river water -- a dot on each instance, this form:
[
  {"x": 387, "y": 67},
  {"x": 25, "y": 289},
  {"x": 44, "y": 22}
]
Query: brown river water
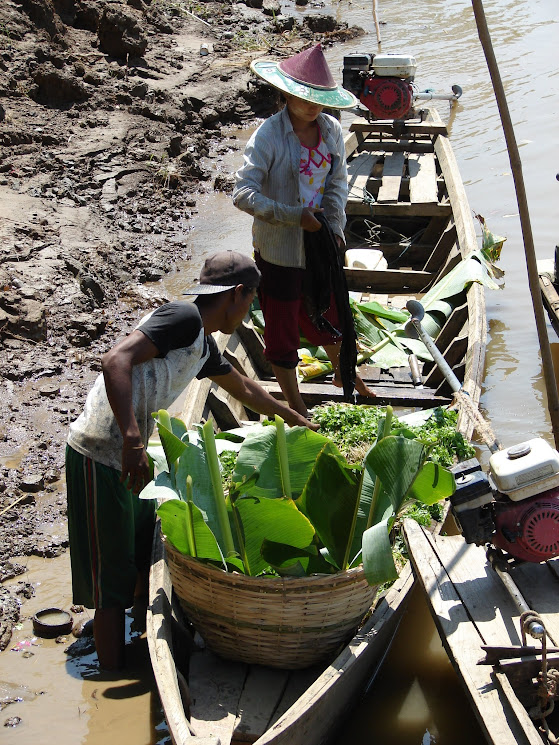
[{"x": 416, "y": 699}]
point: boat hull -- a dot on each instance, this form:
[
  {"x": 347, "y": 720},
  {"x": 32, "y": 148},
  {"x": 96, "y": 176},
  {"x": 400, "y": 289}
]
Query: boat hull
[
  {"x": 416, "y": 189},
  {"x": 475, "y": 615}
]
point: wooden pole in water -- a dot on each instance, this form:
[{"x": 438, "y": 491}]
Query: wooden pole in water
[
  {"x": 375, "y": 19},
  {"x": 531, "y": 263}
]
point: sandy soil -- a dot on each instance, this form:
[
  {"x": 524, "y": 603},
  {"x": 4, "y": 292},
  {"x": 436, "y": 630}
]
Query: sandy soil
[{"x": 111, "y": 123}]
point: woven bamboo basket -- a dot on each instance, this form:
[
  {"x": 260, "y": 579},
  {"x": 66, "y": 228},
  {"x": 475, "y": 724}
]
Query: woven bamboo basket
[{"x": 283, "y": 622}]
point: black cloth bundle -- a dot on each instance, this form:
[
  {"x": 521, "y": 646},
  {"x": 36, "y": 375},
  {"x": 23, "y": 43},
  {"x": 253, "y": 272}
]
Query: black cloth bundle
[{"x": 324, "y": 275}]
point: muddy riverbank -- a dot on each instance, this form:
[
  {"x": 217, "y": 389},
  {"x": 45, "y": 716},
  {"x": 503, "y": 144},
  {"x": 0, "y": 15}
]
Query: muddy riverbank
[{"x": 113, "y": 120}]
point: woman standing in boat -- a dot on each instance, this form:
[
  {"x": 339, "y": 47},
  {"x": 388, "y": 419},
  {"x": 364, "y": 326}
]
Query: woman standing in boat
[{"x": 294, "y": 183}]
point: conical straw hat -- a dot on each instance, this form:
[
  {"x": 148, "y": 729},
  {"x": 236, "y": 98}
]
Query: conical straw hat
[{"x": 307, "y": 76}]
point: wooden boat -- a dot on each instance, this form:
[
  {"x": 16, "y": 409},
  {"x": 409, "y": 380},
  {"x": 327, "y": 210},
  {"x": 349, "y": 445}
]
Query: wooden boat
[
  {"x": 411, "y": 172},
  {"x": 476, "y": 616},
  {"x": 549, "y": 287}
]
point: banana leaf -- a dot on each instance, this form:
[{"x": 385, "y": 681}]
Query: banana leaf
[
  {"x": 391, "y": 343},
  {"x": 276, "y": 520},
  {"x": 473, "y": 268},
  {"x": 162, "y": 488},
  {"x": 295, "y": 562},
  {"x": 378, "y": 563},
  {"x": 318, "y": 353},
  {"x": 432, "y": 484},
  {"x": 379, "y": 311},
  {"x": 382, "y": 510},
  {"x": 258, "y": 455},
  {"x": 396, "y": 460},
  {"x": 173, "y": 526},
  {"x": 173, "y": 436},
  {"x": 330, "y": 500},
  {"x": 399, "y": 463},
  {"x": 491, "y": 244},
  {"x": 256, "y": 315},
  {"x": 192, "y": 462}
]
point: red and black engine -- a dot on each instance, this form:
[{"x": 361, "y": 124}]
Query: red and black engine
[
  {"x": 383, "y": 83},
  {"x": 516, "y": 506}
]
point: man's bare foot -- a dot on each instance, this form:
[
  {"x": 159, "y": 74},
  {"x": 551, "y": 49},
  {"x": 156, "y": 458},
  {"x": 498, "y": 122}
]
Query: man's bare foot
[{"x": 360, "y": 386}]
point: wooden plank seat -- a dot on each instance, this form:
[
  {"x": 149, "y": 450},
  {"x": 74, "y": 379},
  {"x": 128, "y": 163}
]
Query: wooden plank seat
[
  {"x": 425, "y": 129},
  {"x": 397, "y": 146},
  {"x": 388, "y": 280},
  {"x": 316, "y": 393},
  {"x": 358, "y": 207}
]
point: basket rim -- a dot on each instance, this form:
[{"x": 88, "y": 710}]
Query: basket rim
[{"x": 341, "y": 577}]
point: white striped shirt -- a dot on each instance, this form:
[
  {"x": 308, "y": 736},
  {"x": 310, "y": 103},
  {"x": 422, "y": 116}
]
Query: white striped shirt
[{"x": 267, "y": 187}]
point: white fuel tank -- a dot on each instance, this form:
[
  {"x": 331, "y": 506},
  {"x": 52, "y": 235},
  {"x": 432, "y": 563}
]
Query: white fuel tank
[
  {"x": 525, "y": 469},
  {"x": 394, "y": 65}
]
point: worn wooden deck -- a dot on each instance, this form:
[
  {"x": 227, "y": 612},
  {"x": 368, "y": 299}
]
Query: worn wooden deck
[{"x": 472, "y": 608}]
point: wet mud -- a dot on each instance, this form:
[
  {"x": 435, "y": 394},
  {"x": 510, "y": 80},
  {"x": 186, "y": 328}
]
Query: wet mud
[{"x": 113, "y": 121}]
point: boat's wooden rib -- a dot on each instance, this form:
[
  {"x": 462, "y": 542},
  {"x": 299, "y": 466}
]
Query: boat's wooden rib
[
  {"x": 409, "y": 129},
  {"x": 315, "y": 394},
  {"x": 442, "y": 249},
  {"x": 472, "y": 610},
  {"x": 423, "y": 227},
  {"x": 398, "y": 209}
]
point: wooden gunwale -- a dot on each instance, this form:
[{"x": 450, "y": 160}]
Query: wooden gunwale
[
  {"x": 472, "y": 609},
  {"x": 307, "y": 715},
  {"x": 466, "y": 240}
]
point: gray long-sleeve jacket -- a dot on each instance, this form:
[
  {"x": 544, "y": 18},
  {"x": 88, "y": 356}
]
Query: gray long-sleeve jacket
[{"x": 267, "y": 187}]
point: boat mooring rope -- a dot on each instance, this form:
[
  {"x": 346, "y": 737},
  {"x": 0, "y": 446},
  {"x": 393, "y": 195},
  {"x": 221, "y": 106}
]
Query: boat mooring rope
[
  {"x": 547, "y": 691},
  {"x": 481, "y": 425},
  {"x": 548, "y": 680}
]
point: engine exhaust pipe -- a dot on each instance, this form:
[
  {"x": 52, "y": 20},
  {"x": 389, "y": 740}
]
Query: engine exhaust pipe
[{"x": 429, "y": 96}]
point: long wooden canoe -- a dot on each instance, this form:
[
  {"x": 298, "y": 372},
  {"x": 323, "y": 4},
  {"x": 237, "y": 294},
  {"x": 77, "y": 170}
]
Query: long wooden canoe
[
  {"x": 479, "y": 625},
  {"x": 415, "y": 198}
]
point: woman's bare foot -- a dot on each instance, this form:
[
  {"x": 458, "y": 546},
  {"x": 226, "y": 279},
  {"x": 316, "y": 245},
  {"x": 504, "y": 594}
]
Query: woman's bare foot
[
  {"x": 363, "y": 389},
  {"x": 360, "y": 386}
]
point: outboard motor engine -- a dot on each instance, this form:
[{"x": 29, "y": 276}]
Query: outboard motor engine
[
  {"x": 515, "y": 507},
  {"x": 382, "y": 83}
]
